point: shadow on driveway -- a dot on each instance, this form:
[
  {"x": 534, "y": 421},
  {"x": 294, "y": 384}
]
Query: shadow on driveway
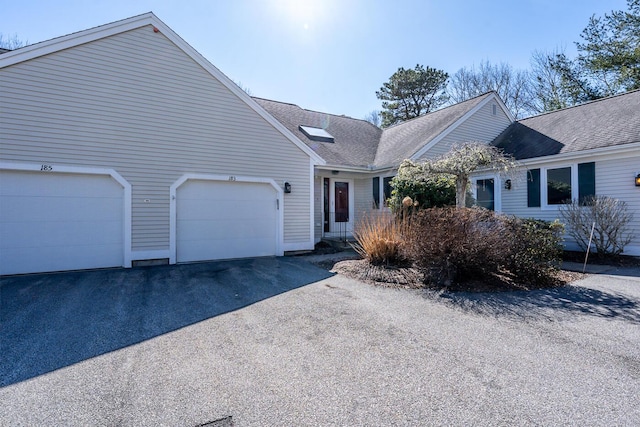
[
  {"x": 566, "y": 300},
  {"x": 50, "y": 321}
]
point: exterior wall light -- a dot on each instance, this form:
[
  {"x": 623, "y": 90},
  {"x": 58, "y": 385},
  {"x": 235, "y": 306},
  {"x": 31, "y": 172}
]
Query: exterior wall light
[
  {"x": 507, "y": 184},
  {"x": 287, "y": 187},
  {"x": 638, "y": 179}
]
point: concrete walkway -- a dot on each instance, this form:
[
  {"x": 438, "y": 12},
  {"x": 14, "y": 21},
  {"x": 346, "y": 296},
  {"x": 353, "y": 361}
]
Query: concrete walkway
[{"x": 601, "y": 269}]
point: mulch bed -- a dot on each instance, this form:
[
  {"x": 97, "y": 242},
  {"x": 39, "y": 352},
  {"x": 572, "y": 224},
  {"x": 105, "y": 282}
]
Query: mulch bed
[{"x": 411, "y": 278}]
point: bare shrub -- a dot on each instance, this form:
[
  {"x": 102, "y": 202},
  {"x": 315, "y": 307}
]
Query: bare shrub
[
  {"x": 456, "y": 244},
  {"x": 380, "y": 238},
  {"x": 611, "y": 217}
]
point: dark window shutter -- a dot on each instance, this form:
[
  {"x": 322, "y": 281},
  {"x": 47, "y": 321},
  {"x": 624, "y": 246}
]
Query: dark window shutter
[
  {"x": 586, "y": 180},
  {"x": 533, "y": 188},
  {"x": 376, "y": 192}
]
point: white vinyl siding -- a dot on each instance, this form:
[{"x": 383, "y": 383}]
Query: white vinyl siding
[
  {"x": 137, "y": 103},
  {"x": 482, "y": 126},
  {"x": 614, "y": 178},
  {"x": 363, "y": 197}
]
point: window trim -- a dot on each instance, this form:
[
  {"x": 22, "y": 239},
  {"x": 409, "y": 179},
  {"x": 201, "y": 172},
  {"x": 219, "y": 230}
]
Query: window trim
[
  {"x": 544, "y": 201},
  {"x": 382, "y": 205},
  {"x": 497, "y": 190}
]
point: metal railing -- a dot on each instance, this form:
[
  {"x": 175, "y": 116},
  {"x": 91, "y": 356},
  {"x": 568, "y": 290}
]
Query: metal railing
[{"x": 338, "y": 226}]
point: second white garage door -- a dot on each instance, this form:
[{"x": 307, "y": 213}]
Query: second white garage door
[{"x": 222, "y": 220}]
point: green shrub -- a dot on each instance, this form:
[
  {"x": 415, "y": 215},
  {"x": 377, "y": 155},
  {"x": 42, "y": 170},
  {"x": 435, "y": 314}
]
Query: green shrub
[
  {"x": 535, "y": 248},
  {"x": 426, "y": 190}
]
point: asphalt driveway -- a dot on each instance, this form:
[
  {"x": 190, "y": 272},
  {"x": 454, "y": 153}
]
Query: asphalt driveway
[{"x": 278, "y": 341}]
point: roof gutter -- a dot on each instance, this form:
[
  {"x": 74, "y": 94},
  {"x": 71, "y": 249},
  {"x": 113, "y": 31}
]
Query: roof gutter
[
  {"x": 615, "y": 151},
  {"x": 358, "y": 169}
]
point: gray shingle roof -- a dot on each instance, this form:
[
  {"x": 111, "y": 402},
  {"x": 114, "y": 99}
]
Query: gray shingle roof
[
  {"x": 359, "y": 143},
  {"x": 401, "y": 141},
  {"x": 355, "y": 141},
  {"x": 602, "y": 123}
]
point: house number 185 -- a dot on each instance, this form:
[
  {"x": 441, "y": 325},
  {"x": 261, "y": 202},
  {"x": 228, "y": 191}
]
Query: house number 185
[{"x": 46, "y": 168}]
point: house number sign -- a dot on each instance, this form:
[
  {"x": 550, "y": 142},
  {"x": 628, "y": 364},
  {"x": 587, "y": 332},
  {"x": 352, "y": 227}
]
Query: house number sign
[
  {"x": 232, "y": 178},
  {"x": 46, "y": 168}
]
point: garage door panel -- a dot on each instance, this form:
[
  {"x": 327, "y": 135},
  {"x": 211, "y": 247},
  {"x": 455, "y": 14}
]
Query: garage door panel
[
  {"x": 219, "y": 220},
  {"x": 228, "y": 210},
  {"x": 223, "y": 190},
  {"x": 55, "y": 233},
  {"x": 239, "y": 248},
  {"x": 225, "y": 230},
  {"x": 60, "y": 208},
  {"x": 56, "y": 222},
  {"x": 60, "y": 258},
  {"x": 59, "y": 184}
]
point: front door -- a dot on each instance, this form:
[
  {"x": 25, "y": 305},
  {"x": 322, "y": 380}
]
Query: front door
[
  {"x": 339, "y": 219},
  {"x": 341, "y": 192},
  {"x": 485, "y": 195}
]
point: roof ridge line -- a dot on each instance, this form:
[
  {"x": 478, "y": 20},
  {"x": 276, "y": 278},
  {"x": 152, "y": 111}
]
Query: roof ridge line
[
  {"x": 593, "y": 101},
  {"x": 344, "y": 116},
  {"x": 441, "y": 109}
]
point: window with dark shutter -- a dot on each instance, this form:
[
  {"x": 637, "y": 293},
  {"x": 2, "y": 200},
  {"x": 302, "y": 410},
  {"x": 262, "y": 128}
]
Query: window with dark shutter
[
  {"x": 386, "y": 183},
  {"x": 376, "y": 192},
  {"x": 586, "y": 180},
  {"x": 533, "y": 188},
  {"x": 559, "y": 186}
]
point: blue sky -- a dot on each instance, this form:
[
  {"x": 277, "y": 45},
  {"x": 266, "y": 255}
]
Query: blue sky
[{"x": 331, "y": 55}]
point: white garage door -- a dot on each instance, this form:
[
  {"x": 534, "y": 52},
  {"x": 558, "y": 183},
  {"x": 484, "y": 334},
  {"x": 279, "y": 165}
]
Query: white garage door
[
  {"x": 221, "y": 219},
  {"x": 59, "y": 221}
]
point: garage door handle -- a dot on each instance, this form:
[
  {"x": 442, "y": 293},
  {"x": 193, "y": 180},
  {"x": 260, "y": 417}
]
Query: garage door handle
[{"x": 278, "y": 204}]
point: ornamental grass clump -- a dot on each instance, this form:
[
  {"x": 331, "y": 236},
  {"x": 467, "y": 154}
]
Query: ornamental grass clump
[{"x": 380, "y": 238}]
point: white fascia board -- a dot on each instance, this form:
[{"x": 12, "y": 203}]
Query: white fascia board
[
  {"x": 491, "y": 97},
  {"x": 502, "y": 105},
  {"x": 96, "y": 33},
  {"x": 356, "y": 169},
  {"x": 342, "y": 168},
  {"x": 616, "y": 151},
  {"x": 74, "y": 39}
]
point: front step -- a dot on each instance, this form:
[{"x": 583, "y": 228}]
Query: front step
[{"x": 337, "y": 243}]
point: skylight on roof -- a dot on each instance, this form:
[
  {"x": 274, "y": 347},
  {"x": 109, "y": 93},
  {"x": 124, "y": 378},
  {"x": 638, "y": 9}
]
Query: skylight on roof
[{"x": 316, "y": 134}]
